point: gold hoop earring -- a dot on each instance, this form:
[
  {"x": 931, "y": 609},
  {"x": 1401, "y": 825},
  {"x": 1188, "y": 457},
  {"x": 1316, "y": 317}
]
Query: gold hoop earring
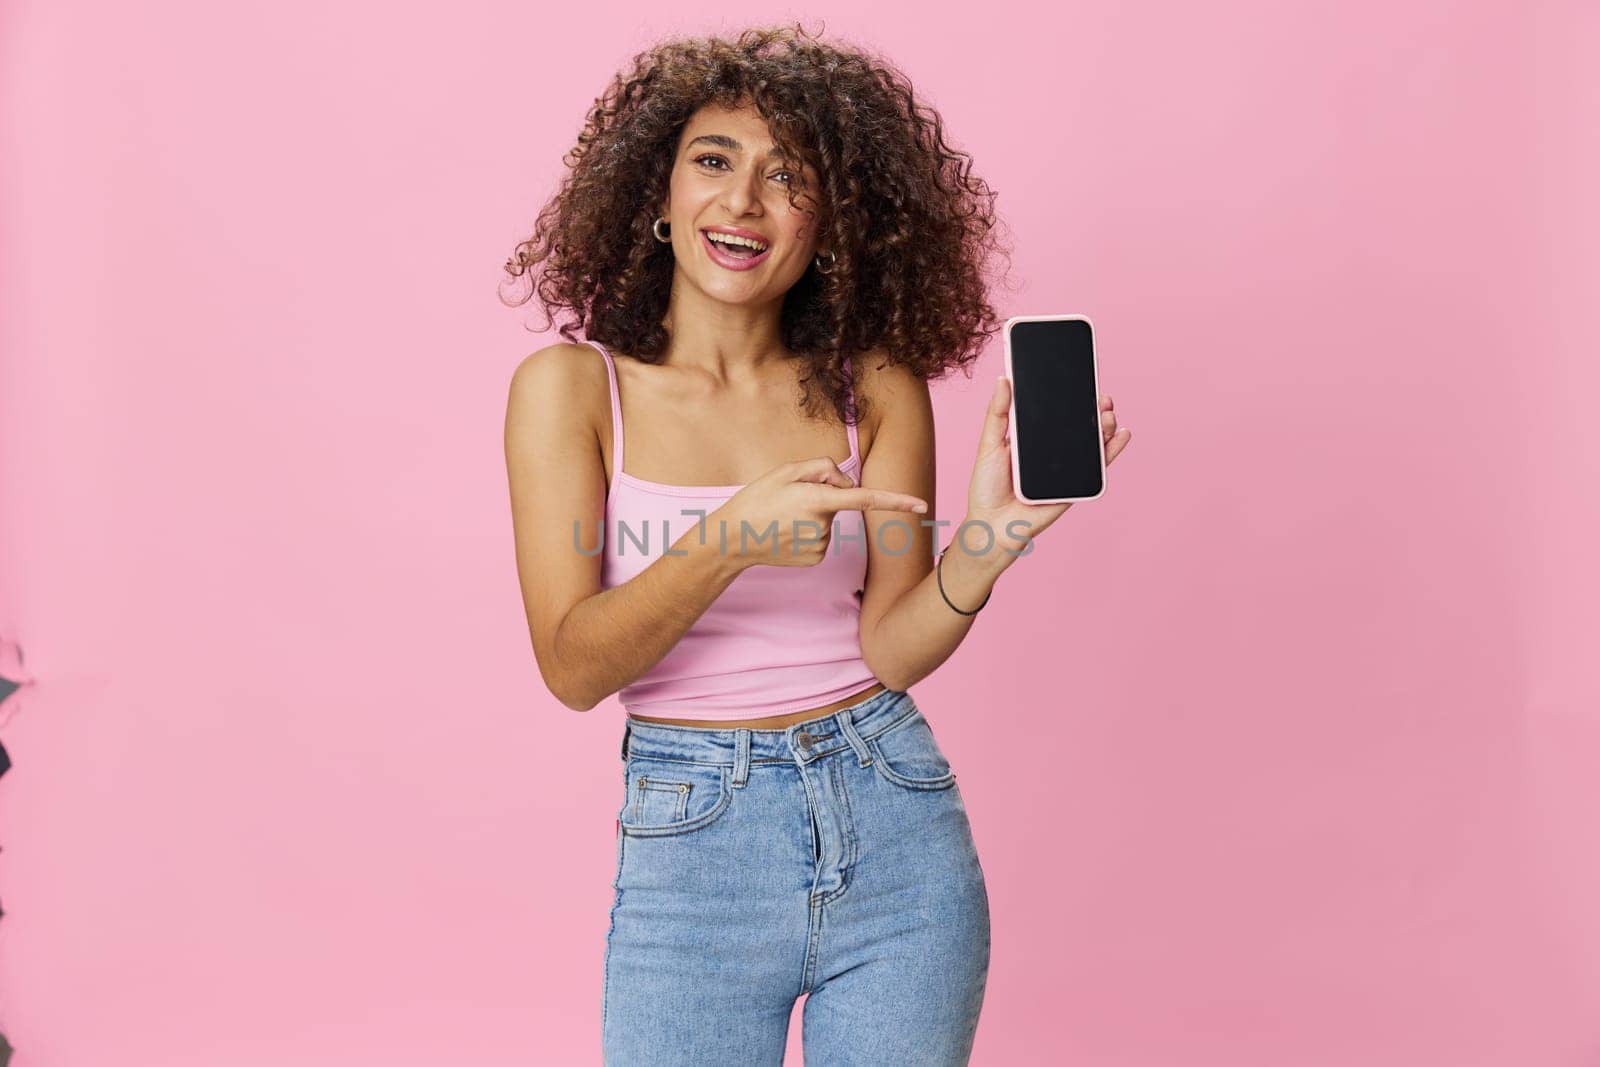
[
  {"x": 655, "y": 228},
  {"x": 832, "y": 259}
]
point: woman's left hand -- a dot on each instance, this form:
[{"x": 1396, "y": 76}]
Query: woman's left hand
[{"x": 990, "y": 498}]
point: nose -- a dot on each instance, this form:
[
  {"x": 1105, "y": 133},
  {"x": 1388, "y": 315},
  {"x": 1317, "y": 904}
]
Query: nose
[{"x": 742, "y": 194}]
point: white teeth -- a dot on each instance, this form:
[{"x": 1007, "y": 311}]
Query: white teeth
[{"x": 730, "y": 239}]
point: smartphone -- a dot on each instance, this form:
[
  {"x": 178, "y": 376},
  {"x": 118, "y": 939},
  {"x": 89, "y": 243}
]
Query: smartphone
[{"x": 1058, "y": 453}]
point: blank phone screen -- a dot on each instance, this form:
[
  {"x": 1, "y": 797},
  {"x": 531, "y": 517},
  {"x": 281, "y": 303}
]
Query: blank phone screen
[{"x": 1057, "y": 431}]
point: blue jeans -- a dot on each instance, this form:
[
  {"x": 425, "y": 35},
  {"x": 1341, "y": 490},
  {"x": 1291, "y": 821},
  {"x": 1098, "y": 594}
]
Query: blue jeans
[{"x": 831, "y": 858}]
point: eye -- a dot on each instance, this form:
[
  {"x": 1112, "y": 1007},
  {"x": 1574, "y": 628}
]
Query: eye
[{"x": 719, "y": 159}]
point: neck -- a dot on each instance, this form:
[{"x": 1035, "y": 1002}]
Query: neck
[{"x": 724, "y": 341}]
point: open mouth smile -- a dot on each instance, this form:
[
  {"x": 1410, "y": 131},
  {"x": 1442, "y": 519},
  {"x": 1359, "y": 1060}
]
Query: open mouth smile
[{"x": 733, "y": 257}]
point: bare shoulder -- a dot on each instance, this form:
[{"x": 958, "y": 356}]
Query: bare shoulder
[
  {"x": 563, "y": 370},
  {"x": 564, "y": 383},
  {"x": 894, "y": 394}
]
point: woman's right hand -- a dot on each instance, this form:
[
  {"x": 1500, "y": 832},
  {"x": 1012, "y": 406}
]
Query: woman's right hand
[{"x": 786, "y": 515}]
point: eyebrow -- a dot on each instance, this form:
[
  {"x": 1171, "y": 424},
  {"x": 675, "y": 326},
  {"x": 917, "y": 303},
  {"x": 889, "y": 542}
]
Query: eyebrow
[{"x": 722, "y": 140}]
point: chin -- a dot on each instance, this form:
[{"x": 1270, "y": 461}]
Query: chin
[{"x": 738, "y": 291}]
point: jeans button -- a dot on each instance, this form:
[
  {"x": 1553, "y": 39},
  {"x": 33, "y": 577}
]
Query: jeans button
[{"x": 804, "y": 739}]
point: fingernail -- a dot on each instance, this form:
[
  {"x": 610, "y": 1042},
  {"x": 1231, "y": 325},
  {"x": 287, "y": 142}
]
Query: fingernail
[{"x": 920, "y": 508}]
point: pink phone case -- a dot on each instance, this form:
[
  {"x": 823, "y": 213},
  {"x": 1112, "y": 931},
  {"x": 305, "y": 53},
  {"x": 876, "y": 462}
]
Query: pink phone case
[{"x": 1016, "y": 468}]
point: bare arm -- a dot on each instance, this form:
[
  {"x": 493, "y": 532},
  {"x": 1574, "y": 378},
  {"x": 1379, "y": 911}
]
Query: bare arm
[
  {"x": 907, "y": 629},
  {"x": 589, "y": 642}
]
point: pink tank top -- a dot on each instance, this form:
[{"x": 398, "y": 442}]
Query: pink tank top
[{"x": 778, "y": 639}]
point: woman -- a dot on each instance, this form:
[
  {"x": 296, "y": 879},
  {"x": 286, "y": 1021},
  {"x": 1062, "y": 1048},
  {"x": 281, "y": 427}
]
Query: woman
[{"x": 720, "y": 502}]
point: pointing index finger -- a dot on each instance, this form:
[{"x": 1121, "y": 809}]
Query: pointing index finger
[{"x": 863, "y": 498}]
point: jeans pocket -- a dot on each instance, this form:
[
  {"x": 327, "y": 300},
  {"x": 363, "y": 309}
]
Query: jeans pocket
[
  {"x": 666, "y": 797},
  {"x": 908, "y": 755}
]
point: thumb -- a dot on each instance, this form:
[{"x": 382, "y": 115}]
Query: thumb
[
  {"x": 997, "y": 419},
  {"x": 821, "y": 469}
]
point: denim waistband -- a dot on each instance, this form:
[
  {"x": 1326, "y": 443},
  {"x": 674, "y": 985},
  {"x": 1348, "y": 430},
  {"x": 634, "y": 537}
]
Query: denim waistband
[{"x": 741, "y": 746}]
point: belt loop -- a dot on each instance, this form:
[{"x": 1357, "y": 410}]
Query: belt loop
[
  {"x": 741, "y": 756},
  {"x": 627, "y": 726},
  {"x": 848, "y": 728}
]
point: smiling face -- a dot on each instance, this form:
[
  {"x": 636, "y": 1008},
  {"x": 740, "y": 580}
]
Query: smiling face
[{"x": 726, "y": 179}]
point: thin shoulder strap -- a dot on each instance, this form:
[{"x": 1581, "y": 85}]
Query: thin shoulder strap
[
  {"x": 850, "y": 423},
  {"x": 616, "y": 412}
]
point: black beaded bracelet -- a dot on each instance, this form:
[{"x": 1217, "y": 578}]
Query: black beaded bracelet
[{"x": 939, "y": 573}]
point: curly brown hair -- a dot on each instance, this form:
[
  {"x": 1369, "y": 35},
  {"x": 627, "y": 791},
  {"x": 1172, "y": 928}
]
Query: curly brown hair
[{"x": 910, "y": 225}]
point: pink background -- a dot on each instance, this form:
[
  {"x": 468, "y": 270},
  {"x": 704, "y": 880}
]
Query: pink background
[{"x": 1283, "y": 753}]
